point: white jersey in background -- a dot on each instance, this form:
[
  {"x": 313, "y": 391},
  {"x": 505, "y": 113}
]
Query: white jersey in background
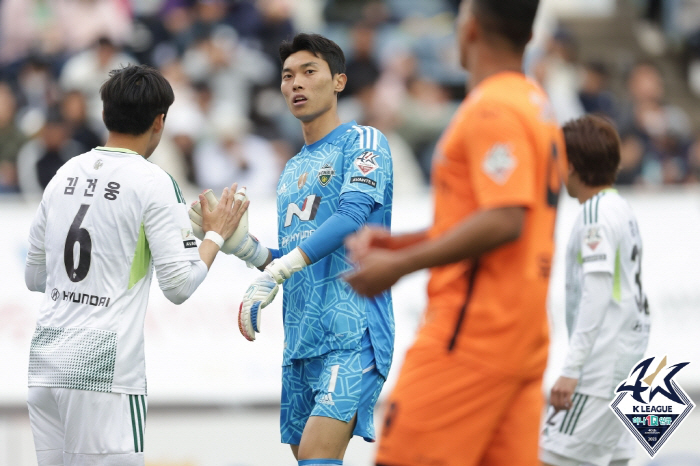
[
  {"x": 605, "y": 238},
  {"x": 105, "y": 219}
]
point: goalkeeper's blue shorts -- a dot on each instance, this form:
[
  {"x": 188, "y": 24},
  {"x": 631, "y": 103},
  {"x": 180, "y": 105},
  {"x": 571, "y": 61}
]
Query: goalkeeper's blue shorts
[{"x": 336, "y": 385}]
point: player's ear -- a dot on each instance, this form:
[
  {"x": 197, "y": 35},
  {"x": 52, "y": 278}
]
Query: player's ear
[
  {"x": 339, "y": 82},
  {"x": 158, "y": 123}
]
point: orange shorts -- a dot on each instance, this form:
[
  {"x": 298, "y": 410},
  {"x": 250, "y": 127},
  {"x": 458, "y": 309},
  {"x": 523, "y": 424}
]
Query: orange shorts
[{"x": 447, "y": 411}]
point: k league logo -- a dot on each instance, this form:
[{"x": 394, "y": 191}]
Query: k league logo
[{"x": 650, "y": 403}]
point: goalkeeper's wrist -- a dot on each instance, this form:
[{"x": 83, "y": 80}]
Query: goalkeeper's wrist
[
  {"x": 283, "y": 268},
  {"x": 251, "y": 251}
]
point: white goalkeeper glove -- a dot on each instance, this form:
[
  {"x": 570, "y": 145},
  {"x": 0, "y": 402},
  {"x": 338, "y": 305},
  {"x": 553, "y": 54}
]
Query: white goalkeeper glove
[
  {"x": 241, "y": 243},
  {"x": 264, "y": 289}
]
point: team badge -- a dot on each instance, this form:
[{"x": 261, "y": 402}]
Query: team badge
[
  {"x": 302, "y": 180},
  {"x": 651, "y": 404},
  {"x": 325, "y": 174},
  {"x": 98, "y": 164},
  {"x": 593, "y": 237},
  {"x": 499, "y": 163},
  {"x": 366, "y": 162}
]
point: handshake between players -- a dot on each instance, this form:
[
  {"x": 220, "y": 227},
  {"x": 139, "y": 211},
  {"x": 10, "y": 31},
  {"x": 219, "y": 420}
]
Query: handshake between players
[{"x": 247, "y": 248}]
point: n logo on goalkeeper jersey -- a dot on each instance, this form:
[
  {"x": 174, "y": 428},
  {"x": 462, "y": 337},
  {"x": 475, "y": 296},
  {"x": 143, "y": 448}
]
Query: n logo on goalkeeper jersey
[{"x": 307, "y": 212}]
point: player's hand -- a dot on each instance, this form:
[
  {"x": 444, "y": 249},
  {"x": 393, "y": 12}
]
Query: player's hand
[
  {"x": 360, "y": 243},
  {"x": 259, "y": 294},
  {"x": 226, "y": 215},
  {"x": 562, "y": 391},
  {"x": 241, "y": 243},
  {"x": 377, "y": 271}
]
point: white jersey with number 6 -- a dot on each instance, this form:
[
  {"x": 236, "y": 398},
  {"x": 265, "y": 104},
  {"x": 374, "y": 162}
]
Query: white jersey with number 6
[
  {"x": 605, "y": 238},
  {"x": 105, "y": 219}
]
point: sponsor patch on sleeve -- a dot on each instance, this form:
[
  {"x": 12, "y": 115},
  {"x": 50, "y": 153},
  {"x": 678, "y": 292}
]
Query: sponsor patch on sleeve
[
  {"x": 366, "y": 162},
  {"x": 188, "y": 239},
  {"x": 594, "y": 258},
  {"x": 364, "y": 180},
  {"x": 499, "y": 163},
  {"x": 593, "y": 238}
]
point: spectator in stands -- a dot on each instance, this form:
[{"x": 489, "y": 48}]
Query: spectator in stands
[
  {"x": 424, "y": 114},
  {"x": 235, "y": 154},
  {"x": 86, "y": 71},
  {"x": 662, "y": 132},
  {"x": 230, "y": 68},
  {"x": 11, "y": 141},
  {"x": 82, "y": 129},
  {"x": 40, "y": 158},
  {"x": 558, "y": 73},
  {"x": 361, "y": 67},
  {"x": 594, "y": 93}
]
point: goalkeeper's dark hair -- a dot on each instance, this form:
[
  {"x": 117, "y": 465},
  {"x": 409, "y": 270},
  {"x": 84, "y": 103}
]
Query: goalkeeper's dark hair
[
  {"x": 133, "y": 97},
  {"x": 320, "y": 46},
  {"x": 510, "y": 19},
  {"x": 593, "y": 148}
]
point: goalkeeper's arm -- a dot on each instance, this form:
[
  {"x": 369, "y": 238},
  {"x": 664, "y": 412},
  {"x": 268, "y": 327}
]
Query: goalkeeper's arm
[{"x": 353, "y": 211}]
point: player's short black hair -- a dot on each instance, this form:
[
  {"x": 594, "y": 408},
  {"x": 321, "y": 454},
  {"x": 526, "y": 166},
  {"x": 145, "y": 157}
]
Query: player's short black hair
[
  {"x": 593, "y": 148},
  {"x": 320, "y": 46},
  {"x": 133, "y": 97},
  {"x": 511, "y": 19}
]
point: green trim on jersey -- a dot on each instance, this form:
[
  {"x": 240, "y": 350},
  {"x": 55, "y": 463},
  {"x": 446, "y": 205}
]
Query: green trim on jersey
[
  {"x": 178, "y": 194},
  {"x": 579, "y": 257},
  {"x": 616, "y": 278},
  {"x": 142, "y": 259},
  {"x": 590, "y": 213},
  {"x": 116, "y": 149}
]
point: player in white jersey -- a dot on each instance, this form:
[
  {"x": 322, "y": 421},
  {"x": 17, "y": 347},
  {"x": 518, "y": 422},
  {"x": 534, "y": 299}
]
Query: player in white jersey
[
  {"x": 607, "y": 314},
  {"x": 105, "y": 219}
]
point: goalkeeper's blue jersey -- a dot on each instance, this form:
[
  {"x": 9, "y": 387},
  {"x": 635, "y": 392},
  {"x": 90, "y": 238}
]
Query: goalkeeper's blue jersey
[{"x": 321, "y": 311}]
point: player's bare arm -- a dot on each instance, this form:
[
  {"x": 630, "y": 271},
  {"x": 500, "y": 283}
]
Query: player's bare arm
[
  {"x": 480, "y": 233},
  {"x": 370, "y": 237}
]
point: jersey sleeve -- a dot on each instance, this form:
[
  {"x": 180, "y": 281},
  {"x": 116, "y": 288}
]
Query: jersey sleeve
[
  {"x": 166, "y": 223},
  {"x": 598, "y": 241},
  {"x": 367, "y": 164},
  {"x": 501, "y": 157}
]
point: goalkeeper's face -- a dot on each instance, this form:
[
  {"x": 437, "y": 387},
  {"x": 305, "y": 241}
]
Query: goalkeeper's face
[{"x": 308, "y": 86}]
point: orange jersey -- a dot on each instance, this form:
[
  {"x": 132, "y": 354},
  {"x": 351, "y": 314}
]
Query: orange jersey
[{"x": 503, "y": 148}]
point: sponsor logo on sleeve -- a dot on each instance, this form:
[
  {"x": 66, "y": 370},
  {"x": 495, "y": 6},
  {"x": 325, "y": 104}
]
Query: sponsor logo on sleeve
[
  {"x": 188, "y": 238},
  {"x": 594, "y": 258},
  {"x": 593, "y": 238},
  {"x": 650, "y": 404},
  {"x": 366, "y": 162},
  {"x": 325, "y": 174},
  {"x": 364, "y": 180},
  {"x": 499, "y": 163}
]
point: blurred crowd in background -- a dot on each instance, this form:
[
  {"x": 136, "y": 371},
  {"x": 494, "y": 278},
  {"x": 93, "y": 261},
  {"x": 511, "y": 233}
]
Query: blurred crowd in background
[{"x": 229, "y": 121}]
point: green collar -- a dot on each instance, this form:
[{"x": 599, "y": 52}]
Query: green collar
[{"x": 116, "y": 149}]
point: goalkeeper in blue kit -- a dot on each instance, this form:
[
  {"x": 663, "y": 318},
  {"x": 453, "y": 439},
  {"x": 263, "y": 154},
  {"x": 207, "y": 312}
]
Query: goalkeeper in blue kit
[{"x": 338, "y": 345}]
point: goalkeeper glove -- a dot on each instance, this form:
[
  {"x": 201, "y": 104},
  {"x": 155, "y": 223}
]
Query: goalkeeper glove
[
  {"x": 264, "y": 289},
  {"x": 241, "y": 243}
]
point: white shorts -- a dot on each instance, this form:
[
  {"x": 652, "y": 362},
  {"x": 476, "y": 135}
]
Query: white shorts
[
  {"x": 588, "y": 433},
  {"x": 86, "y": 428}
]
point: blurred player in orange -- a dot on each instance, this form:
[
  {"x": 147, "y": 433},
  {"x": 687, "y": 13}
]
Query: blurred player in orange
[{"x": 470, "y": 389}]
